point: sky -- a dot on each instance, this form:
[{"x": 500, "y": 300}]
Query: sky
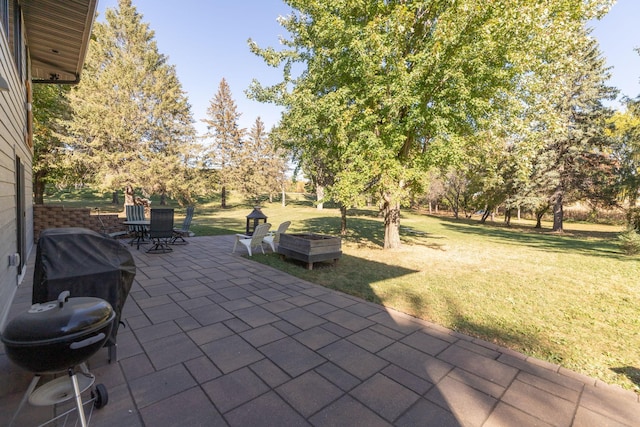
[{"x": 206, "y": 40}]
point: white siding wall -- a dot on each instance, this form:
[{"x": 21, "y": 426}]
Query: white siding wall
[{"x": 12, "y": 145}]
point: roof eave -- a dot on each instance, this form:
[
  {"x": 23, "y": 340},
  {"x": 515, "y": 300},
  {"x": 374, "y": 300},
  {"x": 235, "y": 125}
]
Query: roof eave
[{"x": 58, "y": 35}]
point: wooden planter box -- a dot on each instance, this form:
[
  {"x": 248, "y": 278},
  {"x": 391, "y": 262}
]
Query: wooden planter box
[{"x": 310, "y": 247}]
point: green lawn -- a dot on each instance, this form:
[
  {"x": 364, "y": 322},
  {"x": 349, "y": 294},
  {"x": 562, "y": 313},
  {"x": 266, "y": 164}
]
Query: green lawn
[{"x": 571, "y": 299}]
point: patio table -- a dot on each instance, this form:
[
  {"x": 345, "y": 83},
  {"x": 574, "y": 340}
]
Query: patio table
[{"x": 143, "y": 225}]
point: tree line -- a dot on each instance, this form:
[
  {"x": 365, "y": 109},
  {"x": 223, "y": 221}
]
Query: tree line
[
  {"x": 127, "y": 126},
  {"x": 500, "y": 103},
  {"x": 484, "y": 105}
]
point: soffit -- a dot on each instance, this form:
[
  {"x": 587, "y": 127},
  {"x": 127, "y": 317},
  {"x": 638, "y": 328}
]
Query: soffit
[{"x": 58, "y": 34}]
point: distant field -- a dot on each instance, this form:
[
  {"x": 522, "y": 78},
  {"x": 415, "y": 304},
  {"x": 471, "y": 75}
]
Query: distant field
[{"x": 571, "y": 299}]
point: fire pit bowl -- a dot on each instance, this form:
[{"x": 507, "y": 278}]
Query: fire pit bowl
[{"x": 58, "y": 335}]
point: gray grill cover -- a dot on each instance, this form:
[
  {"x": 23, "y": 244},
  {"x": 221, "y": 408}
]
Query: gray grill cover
[{"x": 85, "y": 263}]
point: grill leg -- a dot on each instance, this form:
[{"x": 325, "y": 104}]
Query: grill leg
[
  {"x": 76, "y": 389},
  {"x": 113, "y": 357},
  {"x": 32, "y": 386}
]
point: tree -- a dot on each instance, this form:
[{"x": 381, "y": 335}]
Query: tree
[
  {"x": 260, "y": 164},
  {"x": 132, "y": 125},
  {"x": 575, "y": 160},
  {"x": 625, "y": 130},
  {"x": 383, "y": 79},
  {"x": 50, "y": 105},
  {"x": 225, "y": 139},
  {"x": 272, "y": 158}
]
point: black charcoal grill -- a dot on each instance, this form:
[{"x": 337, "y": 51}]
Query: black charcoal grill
[
  {"x": 56, "y": 336},
  {"x": 87, "y": 264}
]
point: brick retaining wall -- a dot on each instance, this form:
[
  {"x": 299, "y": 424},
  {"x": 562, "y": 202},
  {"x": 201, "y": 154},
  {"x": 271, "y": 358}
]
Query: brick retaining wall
[{"x": 58, "y": 216}]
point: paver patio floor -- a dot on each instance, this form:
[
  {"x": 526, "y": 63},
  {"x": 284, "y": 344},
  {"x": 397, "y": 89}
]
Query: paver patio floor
[{"x": 215, "y": 339}]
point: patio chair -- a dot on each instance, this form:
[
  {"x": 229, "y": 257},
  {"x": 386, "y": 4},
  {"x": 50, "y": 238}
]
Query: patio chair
[
  {"x": 161, "y": 230},
  {"x": 135, "y": 213},
  {"x": 255, "y": 240},
  {"x": 273, "y": 238},
  {"x": 105, "y": 231},
  {"x": 181, "y": 233}
]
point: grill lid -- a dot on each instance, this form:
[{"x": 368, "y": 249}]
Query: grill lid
[{"x": 56, "y": 320}]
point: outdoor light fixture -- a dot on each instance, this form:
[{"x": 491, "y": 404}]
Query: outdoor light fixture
[
  {"x": 4, "y": 86},
  {"x": 253, "y": 219}
]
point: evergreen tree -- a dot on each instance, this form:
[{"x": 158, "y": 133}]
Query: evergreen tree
[
  {"x": 132, "y": 125},
  {"x": 50, "y": 106},
  {"x": 225, "y": 137},
  {"x": 575, "y": 162},
  {"x": 262, "y": 166}
]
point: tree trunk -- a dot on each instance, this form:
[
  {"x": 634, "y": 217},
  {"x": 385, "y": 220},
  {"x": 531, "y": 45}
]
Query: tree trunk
[
  {"x": 39, "y": 186},
  {"x": 320, "y": 196},
  {"x": 539, "y": 215},
  {"x": 115, "y": 198},
  {"x": 343, "y": 220},
  {"x": 454, "y": 201},
  {"x": 485, "y": 215},
  {"x": 391, "y": 210},
  {"x": 558, "y": 212},
  {"x": 284, "y": 196},
  {"x": 223, "y": 197},
  {"x": 163, "y": 199}
]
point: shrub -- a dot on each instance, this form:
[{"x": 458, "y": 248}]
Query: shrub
[
  {"x": 633, "y": 218},
  {"x": 630, "y": 241}
]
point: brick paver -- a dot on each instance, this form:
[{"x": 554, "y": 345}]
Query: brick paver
[{"x": 215, "y": 339}]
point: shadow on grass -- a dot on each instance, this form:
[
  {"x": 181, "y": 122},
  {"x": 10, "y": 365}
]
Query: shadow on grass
[
  {"x": 630, "y": 372},
  {"x": 203, "y": 226},
  {"x": 588, "y": 243},
  {"x": 352, "y": 275},
  {"x": 366, "y": 230},
  {"x": 359, "y": 230}
]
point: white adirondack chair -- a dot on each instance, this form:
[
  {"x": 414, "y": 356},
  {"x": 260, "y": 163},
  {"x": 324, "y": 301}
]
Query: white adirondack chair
[
  {"x": 254, "y": 240},
  {"x": 273, "y": 237}
]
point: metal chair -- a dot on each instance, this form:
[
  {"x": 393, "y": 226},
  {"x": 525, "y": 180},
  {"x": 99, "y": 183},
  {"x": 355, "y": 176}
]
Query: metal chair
[
  {"x": 180, "y": 233},
  {"x": 161, "y": 230},
  {"x": 105, "y": 232},
  {"x": 135, "y": 213}
]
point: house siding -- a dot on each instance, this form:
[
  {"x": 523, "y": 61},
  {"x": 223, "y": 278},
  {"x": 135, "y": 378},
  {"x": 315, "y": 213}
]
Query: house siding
[{"x": 13, "y": 126}]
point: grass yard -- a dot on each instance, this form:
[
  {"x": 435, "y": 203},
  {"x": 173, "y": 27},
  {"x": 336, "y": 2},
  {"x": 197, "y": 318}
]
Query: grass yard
[{"x": 571, "y": 299}]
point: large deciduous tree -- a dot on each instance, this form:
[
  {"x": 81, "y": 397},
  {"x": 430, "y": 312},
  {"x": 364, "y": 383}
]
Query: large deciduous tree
[
  {"x": 381, "y": 80},
  {"x": 132, "y": 125},
  {"x": 625, "y": 130}
]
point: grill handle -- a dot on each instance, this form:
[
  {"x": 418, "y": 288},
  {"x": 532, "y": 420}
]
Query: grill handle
[
  {"x": 84, "y": 343},
  {"x": 62, "y": 298}
]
